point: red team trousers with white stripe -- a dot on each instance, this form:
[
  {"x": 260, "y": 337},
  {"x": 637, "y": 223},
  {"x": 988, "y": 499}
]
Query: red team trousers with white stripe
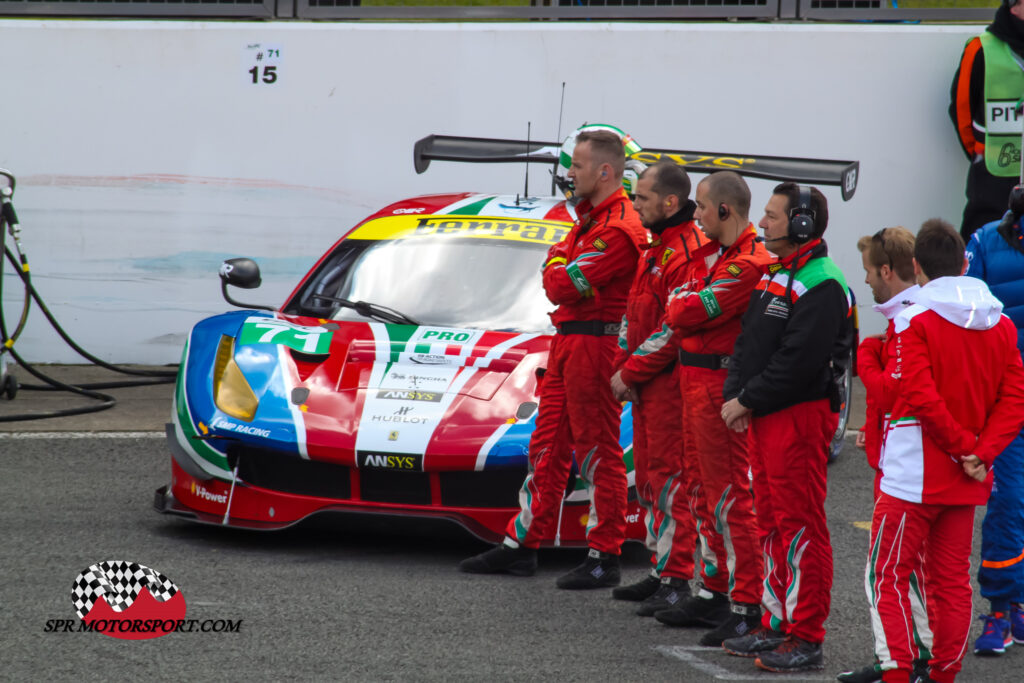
[
  {"x": 588, "y": 276},
  {"x": 707, "y": 319},
  {"x": 647, "y": 360}
]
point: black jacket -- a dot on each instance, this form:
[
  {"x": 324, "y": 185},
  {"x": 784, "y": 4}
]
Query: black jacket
[{"x": 795, "y": 342}]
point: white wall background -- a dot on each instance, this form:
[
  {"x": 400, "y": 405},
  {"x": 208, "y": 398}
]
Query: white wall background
[{"x": 145, "y": 154}]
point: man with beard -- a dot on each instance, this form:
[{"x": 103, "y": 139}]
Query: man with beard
[
  {"x": 986, "y": 88},
  {"x": 647, "y": 376},
  {"x": 888, "y": 260},
  {"x": 707, "y": 318},
  {"x": 587, "y": 275},
  {"x": 960, "y": 402}
]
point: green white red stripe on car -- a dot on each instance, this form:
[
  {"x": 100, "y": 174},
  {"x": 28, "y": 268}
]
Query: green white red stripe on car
[
  {"x": 417, "y": 374},
  {"x": 505, "y": 206}
]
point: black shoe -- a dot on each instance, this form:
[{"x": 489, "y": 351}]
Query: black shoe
[
  {"x": 742, "y": 619},
  {"x": 795, "y": 654},
  {"x": 501, "y": 559},
  {"x": 641, "y": 590},
  {"x": 703, "y": 608},
  {"x": 866, "y": 674},
  {"x": 670, "y": 594},
  {"x": 599, "y": 570},
  {"x": 759, "y": 640},
  {"x": 920, "y": 673}
]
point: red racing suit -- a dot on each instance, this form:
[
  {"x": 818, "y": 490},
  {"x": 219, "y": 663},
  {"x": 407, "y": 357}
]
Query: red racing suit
[
  {"x": 961, "y": 392},
  {"x": 647, "y": 360},
  {"x": 876, "y": 366},
  {"x": 876, "y": 362},
  {"x": 708, "y": 320},
  {"x": 587, "y": 275}
]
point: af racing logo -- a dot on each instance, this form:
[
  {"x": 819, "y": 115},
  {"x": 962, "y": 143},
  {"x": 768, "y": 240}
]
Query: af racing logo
[{"x": 127, "y": 600}]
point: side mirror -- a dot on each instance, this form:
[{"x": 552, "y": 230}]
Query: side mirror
[
  {"x": 240, "y": 272},
  {"x": 244, "y": 273}
]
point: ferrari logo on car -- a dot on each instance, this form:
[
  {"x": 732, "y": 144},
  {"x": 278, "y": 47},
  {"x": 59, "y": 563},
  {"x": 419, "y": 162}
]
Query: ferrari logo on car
[{"x": 393, "y": 436}]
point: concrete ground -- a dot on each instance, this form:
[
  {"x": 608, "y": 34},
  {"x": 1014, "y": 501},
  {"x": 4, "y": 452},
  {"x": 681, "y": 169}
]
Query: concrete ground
[{"x": 138, "y": 409}]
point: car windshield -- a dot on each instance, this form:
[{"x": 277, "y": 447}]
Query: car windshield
[{"x": 440, "y": 281}]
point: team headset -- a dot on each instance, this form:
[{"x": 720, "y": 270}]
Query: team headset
[
  {"x": 801, "y": 218},
  {"x": 1011, "y": 3}
]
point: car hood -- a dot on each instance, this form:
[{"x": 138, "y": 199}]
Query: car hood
[{"x": 359, "y": 393}]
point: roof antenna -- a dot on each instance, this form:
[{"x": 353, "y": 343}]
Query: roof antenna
[
  {"x": 526, "y": 189},
  {"x": 558, "y": 139}
]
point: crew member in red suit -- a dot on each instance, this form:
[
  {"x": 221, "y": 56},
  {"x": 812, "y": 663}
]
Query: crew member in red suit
[
  {"x": 960, "y": 403},
  {"x": 587, "y": 275},
  {"x": 646, "y": 375},
  {"x": 707, "y": 319},
  {"x": 888, "y": 260}
]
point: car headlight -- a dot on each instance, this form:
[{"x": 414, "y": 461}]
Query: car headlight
[{"x": 231, "y": 391}]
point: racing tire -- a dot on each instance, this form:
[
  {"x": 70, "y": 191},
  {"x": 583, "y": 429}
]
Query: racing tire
[
  {"x": 10, "y": 387},
  {"x": 845, "y": 384}
]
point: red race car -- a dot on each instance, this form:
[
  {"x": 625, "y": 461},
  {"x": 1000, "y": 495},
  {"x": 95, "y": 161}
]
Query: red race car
[{"x": 400, "y": 376}]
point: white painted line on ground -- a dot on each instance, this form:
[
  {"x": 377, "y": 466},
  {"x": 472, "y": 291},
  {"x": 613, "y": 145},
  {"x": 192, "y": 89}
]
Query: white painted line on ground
[
  {"x": 687, "y": 654},
  {"x": 81, "y": 435}
]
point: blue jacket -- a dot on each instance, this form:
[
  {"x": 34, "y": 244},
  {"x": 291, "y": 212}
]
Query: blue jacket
[{"x": 1001, "y": 266}]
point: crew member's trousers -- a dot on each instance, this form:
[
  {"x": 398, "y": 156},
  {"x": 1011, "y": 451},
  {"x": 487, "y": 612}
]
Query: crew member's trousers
[
  {"x": 1001, "y": 574},
  {"x": 902, "y": 535},
  {"x": 788, "y": 458},
  {"x": 577, "y": 412},
  {"x": 660, "y": 483},
  {"x": 722, "y": 502}
]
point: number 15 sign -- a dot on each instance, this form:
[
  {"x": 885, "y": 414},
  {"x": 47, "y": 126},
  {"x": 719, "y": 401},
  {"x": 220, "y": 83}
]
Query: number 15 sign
[{"x": 262, "y": 64}]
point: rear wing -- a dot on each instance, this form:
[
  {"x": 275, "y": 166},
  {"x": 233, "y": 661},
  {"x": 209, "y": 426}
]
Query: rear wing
[{"x": 493, "y": 151}]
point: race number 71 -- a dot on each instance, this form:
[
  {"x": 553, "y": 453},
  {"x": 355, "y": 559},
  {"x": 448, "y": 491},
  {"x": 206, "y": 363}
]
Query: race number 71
[{"x": 312, "y": 340}]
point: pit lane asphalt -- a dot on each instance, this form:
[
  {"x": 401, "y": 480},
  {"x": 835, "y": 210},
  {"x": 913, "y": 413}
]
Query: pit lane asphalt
[{"x": 361, "y": 599}]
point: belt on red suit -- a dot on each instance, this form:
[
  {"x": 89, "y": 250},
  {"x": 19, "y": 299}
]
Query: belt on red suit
[
  {"x": 595, "y": 328},
  {"x": 709, "y": 361}
]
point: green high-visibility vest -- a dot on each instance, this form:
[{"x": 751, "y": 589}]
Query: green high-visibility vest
[{"x": 1004, "y": 87}]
